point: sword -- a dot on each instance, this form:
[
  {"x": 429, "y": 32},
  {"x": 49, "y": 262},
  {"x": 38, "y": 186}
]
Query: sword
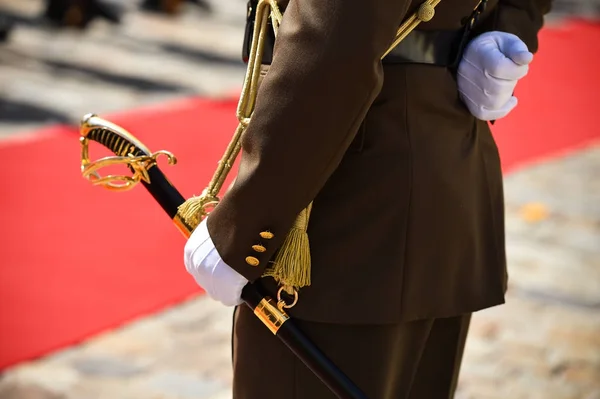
[{"x": 142, "y": 163}]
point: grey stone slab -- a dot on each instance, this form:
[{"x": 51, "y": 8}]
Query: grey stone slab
[
  {"x": 180, "y": 385},
  {"x": 107, "y": 367}
]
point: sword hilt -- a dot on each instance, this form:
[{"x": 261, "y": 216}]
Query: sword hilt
[
  {"x": 131, "y": 152},
  {"x": 127, "y": 150}
]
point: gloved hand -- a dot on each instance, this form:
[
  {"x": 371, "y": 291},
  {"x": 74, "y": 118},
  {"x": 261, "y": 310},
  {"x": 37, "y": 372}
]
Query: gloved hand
[
  {"x": 490, "y": 68},
  {"x": 203, "y": 262}
]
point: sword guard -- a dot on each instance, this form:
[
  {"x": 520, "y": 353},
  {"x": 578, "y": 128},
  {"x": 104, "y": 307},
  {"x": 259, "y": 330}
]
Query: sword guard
[{"x": 128, "y": 150}]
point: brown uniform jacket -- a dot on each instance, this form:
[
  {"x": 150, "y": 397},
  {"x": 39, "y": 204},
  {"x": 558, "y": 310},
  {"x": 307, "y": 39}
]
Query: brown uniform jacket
[{"x": 408, "y": 215}]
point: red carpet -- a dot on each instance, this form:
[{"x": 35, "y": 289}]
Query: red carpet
[
  {"x": 78, "y": 259},
  {"x": 557, "y": 105}
]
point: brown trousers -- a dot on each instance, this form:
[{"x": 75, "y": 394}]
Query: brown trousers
[{"x": 416, "y": 360}]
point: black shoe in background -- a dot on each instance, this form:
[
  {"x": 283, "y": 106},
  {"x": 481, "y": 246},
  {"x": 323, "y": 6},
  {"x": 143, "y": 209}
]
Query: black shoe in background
[
  {"x": 172, "y": 7},
  {"x": 79, "y": 13},
  {"x": 6, "y": 26}
]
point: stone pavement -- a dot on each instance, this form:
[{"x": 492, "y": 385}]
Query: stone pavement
[
  {"x": 51, "y": 76},
  {"x": 544, "y": 343}
]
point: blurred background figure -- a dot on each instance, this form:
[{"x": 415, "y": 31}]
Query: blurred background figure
[
  {"x": 5, "y": 28},
  {"x": 172, "y": 6},
  {"x": 79, "y": 13}
]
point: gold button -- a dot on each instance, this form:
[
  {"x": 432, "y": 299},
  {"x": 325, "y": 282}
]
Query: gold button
[
  {"x": 259, "y": 248},
  {"x": 267, "y": 235},
  {"x": 252, "y": 261}
]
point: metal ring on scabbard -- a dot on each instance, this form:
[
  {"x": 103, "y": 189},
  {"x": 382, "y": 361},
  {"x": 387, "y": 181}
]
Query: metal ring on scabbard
[
  {"x": 128, "y": 150},
  {"x": 282, "y": 304}
]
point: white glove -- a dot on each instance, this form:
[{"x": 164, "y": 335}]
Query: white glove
[
  {"x": 489, "y": 71},
  {"x": 204, "y": 263}
]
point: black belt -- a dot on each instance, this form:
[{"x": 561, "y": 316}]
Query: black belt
[
  {"x": 419, "y": 47},
  {"x": 439, "y": 47}
]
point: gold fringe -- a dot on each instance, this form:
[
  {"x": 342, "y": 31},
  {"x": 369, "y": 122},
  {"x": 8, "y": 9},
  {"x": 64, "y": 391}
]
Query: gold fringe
[
  {"x": 291, "y": 268},
  {"x": 191, "y": 211}
]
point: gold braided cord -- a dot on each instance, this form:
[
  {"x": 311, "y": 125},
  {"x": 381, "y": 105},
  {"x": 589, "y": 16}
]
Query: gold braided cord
[
  {"x": 197, "y": 208},
  {"x": 291, "y": 267}
]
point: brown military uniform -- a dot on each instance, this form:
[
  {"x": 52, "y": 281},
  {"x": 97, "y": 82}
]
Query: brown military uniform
[{"x": 407, "y": 226}]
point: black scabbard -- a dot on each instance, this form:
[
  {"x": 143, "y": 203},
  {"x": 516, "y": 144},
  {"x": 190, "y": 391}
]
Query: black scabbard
[
  {"x": 264, "y": 307},
  {"x": 306, "y": 350},
  {"x": 142, "y": 163}
]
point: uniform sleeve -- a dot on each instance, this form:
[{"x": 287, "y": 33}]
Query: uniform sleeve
[
  {"x": 523, "y": 18},
  {"x": 325, "y": 73}
]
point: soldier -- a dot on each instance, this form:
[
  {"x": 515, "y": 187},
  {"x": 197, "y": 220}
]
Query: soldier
[{"x": 397, "y": 159}]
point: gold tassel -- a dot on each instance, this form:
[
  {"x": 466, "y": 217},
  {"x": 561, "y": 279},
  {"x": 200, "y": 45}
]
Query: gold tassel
[
  {"x": 291, "y": 268},
  {"x": 192, "y": 210}
]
